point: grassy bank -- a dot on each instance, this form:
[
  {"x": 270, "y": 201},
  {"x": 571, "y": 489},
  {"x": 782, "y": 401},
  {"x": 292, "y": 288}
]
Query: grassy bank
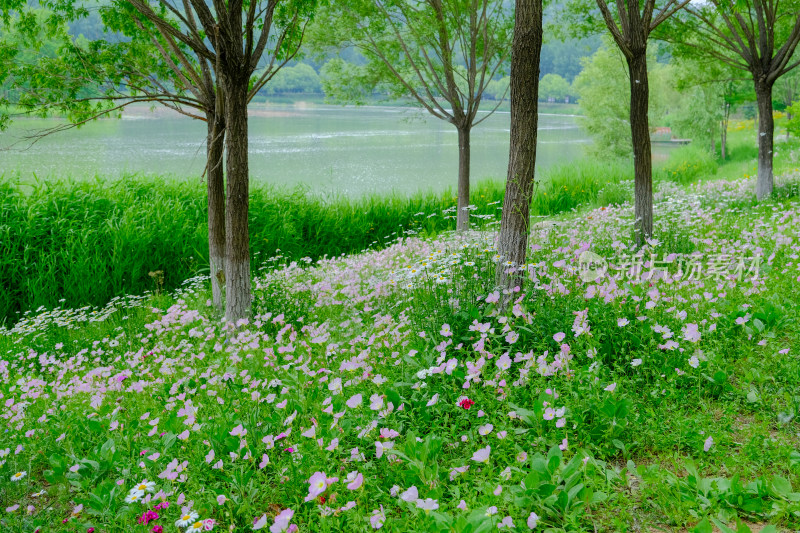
[
  {"x": 83, "y": 242},
  {"x": 389, "y": 390}
]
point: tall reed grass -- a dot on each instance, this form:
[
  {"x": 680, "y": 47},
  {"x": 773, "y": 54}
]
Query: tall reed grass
[{"x": 78, "y": 243}]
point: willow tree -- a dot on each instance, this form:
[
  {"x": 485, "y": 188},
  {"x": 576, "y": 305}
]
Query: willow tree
[
  {"x": 441, "y": 54},
  {"x": 756, "y": 36},
  {"x": 631, "y": 25},
  {"x": 526, "y": 50}
]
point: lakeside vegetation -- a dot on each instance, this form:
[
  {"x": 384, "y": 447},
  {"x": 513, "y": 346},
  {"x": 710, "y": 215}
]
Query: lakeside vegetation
[
  {"x": 82, "y": 242},
  {"x": 398, "y": 395},
  {"x": 613, "y": 349}
]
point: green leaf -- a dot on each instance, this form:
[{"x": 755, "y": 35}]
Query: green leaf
[
  {"x": 703, "y": 527},
  {"x": 781, "y": 486},
  {"x": 722, "y": 527}
]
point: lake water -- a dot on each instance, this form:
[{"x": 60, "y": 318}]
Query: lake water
[{"x": 353, "y": 151}]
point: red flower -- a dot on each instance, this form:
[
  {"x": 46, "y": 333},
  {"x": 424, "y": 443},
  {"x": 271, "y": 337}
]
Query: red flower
[
  {"x": 158, "y": 529},
  {"x": 466, "y": 403}
]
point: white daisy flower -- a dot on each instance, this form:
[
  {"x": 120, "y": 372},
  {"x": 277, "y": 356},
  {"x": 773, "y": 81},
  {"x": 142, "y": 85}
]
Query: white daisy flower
[
  {"x": 187, "y": 519},
  {"x": 134, "y": 496},
  {"x": 18, "y": 476},
  {"x": 199, "y": 525},
  {"x": 145, "y": 486}
]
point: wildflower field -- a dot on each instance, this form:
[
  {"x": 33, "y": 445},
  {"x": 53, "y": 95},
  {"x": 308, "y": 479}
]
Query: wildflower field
[{"x": 396, "y": 390}]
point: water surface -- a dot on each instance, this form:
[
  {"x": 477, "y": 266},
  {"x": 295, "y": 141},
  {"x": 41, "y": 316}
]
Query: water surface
[{"x": 349, "y": 150}]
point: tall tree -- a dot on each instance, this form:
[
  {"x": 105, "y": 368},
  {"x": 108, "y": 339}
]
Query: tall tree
[
  {"x": 235, "y": 38},
  {"x": 631, "y": 25},
  {"x": 758, "y": 37},
  {"x": 526, "y": 49},
  {"x": 130, "y": 62},
  {"x": 604, "y": 98},
  {"x": 442, "y": 54}
]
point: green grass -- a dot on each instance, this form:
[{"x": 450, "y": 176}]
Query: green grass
[
  {"x": 84, "y": 242},
  {"x": 602, "y": 429}
]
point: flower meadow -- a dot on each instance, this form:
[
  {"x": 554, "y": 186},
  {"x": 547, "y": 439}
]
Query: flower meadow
[{"x": 397, "y": 390}]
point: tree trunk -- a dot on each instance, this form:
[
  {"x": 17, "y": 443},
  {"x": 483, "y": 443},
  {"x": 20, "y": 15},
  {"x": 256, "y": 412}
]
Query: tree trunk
[
  {"x": 215, "y": 146},
  {"x": 766, "y": 130},
  {"x": 723, "y": 145},
  {"x": 640, "y": 136},
  {"x": 237, "y": 246},
  {"x": 713, "y": 143},
  {"x": 526, "y": 51},
  {"x": 788, "y": 119},
  {"x": 462, "y": 217}
]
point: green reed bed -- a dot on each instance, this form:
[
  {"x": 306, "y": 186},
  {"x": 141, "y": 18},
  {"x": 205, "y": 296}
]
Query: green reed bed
[{"x": 77, "y": 242}]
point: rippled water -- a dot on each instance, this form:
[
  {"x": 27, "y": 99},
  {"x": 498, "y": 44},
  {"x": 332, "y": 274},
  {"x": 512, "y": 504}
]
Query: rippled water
[{"x": 349, "y": 150}]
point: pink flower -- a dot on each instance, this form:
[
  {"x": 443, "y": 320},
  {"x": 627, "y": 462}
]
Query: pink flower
[
  {"x": 221, "y": 499},
  {"x": 355, "y": 480},
  {"x": 158, "y": 529},
  {"x": 611, "y": 387},
  {"x": 558, "y": 337},
  {"x": 281, "y": 523},
  {"x": 482, "y": 455},
  {"x": 506, "y": 522},
  {"x": 354, "y": 401},
  {"x": 381, "y": 446},
  {"x": 466, "y": 403},
  {"x": 148, "y": 517},
  {"x": 691, "y": 332},
  {"x": 410, "y": 495},
  {"x": 377, "y": 519},
  {"x": 708, "y": 444},
  {"x": 318, "y": 483}
]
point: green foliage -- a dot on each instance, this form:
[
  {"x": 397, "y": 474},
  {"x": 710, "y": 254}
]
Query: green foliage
[
  {"x": 583, "y": 183},
  {"x": 793, "y": 124},
  {"x": 345, "y": 82},
  {"x": 553, "y": 87},
  {"x": 93, "y": 240},
  {"x": 603, "y": 90},
  {"x": 425, "y": 52},
  {"x": 687, "y": 164},
  {"x": 498, "y": 89},
  {"x": 300, "y": 78}
]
